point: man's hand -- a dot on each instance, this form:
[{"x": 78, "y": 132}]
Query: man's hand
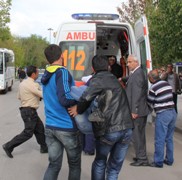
[
  {"x": 73, "y": 111},
  {"x": 134, "y": 116}
]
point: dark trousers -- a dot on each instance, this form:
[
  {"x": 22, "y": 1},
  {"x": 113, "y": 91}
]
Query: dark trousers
[
  {"x": 33, "y": 125},
  {"x": 175, "y": 99},
  {"x": 139, "y": 138},
  {"x": 89, "y": 143}
]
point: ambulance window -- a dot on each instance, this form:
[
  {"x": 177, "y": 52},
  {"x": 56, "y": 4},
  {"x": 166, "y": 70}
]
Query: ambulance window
[
  {"x": 77, "y": 57},
  {"x": 143, "y": 56},
  {"x": 1, "y": 63},
  {"x": 179, "y": 69},
  {"x": 123, "y": 42}
]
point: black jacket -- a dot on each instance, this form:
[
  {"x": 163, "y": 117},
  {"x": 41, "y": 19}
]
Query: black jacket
[
  {"x": 116, "y": 112},
  {"x": 116, "y": 69}
]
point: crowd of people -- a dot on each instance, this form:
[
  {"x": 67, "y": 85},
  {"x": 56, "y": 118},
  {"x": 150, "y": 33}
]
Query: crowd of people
[{"x": 118, "y": 115}]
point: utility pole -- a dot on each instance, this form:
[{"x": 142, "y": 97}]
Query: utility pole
[{"x": 50, "y": 29}]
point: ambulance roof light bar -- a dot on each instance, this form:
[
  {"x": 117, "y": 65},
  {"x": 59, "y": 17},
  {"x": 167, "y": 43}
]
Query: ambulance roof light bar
[{"x": 95, "y": 16}]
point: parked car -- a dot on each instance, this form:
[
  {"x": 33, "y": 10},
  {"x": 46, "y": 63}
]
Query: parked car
[{"x": 39, "y": 78}]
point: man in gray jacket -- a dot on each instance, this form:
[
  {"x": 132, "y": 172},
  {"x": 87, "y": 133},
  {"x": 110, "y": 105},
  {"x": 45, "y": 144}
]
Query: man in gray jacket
[{"x": 136, "y": 90}]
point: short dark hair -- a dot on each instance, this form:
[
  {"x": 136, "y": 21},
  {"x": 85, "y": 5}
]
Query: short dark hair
[
  {"x": 112, "y": 56},
  {"x": 30, "y": 70},
  {"x": 52, "y": 53},
  {"x": 170, "y": 65},
  {"x": 154, "y": 74},
  {"x": 100, "y": 63}
]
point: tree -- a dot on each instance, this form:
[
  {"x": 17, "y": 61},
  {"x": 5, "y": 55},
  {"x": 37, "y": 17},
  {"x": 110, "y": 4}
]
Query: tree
[
  {"x": 165, "y": 26},
  {"x": 131, "y": 11},
  {"x": 28, "y": 51},
  {"x": 33, "y": 47},
  {"x": 13, "y": 43},
  {"x": 4, "y": 19},
  {"x": 166, "y": 32}
]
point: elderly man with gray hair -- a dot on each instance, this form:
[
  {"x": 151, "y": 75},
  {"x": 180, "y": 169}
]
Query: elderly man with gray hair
[{"x": 136, "y": 90}]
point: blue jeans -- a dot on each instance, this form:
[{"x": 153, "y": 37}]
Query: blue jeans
[
  {"x": 164, "y": 130},
  {"x": 76, "y": 92},
  {"x": 57, "y": 141},
  {"x": 83, "y": 124},
  {"x": 115, "y": 145}
]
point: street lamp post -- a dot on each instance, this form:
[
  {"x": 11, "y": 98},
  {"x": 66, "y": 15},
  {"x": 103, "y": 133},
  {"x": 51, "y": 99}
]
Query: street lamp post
[{"x": 49, "y": 29}]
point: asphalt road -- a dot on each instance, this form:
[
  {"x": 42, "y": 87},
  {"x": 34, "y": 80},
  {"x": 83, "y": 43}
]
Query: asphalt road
[{"x": 29, "y": 164}]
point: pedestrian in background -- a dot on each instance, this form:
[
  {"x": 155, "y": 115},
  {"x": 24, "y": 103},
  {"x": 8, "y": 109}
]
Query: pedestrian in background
[
  {"x": 21, "y": 74},
  {"x": 162, "y": 73},
  {"x": 173, "y": 79},
  {"x": 29, "y": 94},
  {"x": 61, "y": 130},
  {"x": 112, "y": 122},
  {"x": 136, "y": 90},
  {"x": 161, "y": 99},
  {"x": 180, "y": 78}
]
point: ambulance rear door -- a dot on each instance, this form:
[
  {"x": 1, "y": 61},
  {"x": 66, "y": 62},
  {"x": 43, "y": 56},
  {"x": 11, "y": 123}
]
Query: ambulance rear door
[
  {"x": 78, "y": 42},
  {"x": 142, "y": 44}
]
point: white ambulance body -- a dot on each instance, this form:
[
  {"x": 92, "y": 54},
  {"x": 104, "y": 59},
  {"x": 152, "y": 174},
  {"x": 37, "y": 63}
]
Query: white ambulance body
[{"x": 91, "y": 34}]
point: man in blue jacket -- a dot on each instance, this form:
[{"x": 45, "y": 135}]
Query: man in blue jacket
[{"x": 61, "y": 131}]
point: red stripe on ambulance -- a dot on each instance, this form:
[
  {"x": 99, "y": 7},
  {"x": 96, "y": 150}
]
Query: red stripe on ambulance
[
  {"x": 145, "y": 31},
  {"x": 148, "y": 63}
]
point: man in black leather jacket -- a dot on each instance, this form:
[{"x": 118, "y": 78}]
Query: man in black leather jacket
[{"x": 113, "y": 127}]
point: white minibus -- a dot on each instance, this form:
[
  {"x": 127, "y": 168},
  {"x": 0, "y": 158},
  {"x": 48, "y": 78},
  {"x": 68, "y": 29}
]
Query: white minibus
[{"x": 7, "y": 70}]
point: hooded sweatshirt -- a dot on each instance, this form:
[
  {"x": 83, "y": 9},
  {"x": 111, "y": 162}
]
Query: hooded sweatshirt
[{"x": 57, "y": 82}]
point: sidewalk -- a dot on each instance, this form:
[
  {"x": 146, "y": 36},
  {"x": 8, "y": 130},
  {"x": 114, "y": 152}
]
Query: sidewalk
[{"x": 179, "y": 117}]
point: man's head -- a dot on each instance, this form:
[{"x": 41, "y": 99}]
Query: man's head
[
  {"x": 112, "y": 60},
  {"x": 53, "y": 53},
  {"x": 100, "y": 63},
  {"x": 132, "y": 62},
  {"x": 170, "y": 68},
  {"x": 153, "y": 76},
  {"x": 32, "y": 72},
  {"x": 162, "y": 69}
]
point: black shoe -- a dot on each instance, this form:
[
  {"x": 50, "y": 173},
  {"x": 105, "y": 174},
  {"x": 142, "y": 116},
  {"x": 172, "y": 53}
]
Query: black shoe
[
  {"x": 135, "y": 159},
  {"x": 153, "y": 164},
  {"x": 43, "y": 150},
  {"x": 8, "y": 152},
  {"x": 167, "y": 163},
  {"x": 90, "y": 153},
  {"x": 139, "y": 163}
]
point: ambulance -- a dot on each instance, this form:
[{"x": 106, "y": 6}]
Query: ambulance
[{"x": 102, "y": 34}]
